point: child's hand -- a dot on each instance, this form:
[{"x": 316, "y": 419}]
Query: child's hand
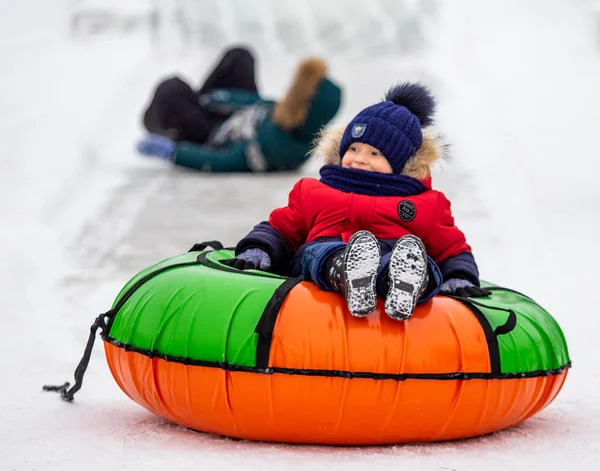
[
  {"x": 463, "y": 288},
  {"x": 239, "y": 264},
  {"x": 250, "y": 259},
  {"x": 155, "y": 145}
]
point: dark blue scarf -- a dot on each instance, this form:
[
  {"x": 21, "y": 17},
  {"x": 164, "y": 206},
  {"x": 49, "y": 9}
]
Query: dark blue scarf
[{"x": 362, "y": 182}]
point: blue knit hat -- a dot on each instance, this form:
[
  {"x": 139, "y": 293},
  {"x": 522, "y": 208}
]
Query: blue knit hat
[{"x": 394, "y": 125}]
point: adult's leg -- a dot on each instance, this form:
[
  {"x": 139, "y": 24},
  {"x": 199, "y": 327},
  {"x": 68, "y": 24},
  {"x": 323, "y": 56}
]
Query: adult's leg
[
  {"x": 175, "y": 112},
  {"x": 235, "y": 70},
  {"x": 153, "y": 119}
]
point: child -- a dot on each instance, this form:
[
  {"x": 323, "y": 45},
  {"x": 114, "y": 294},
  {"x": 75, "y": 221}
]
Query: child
[
  {"x": 227, "y": 126},
  {"x": 374, "y": 197}
]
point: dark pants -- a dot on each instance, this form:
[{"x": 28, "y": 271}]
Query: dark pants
[
  {"x": 316, "y": 255},
  {"x": 174, "y": 110}
]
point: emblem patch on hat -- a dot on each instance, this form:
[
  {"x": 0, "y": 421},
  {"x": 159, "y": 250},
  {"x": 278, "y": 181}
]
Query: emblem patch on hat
[
  {"x": 358, "y": 130},
  {"x": 407, "y": 210}
]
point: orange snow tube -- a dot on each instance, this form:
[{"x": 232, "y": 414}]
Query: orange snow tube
[{"x": 279, "y": 360}]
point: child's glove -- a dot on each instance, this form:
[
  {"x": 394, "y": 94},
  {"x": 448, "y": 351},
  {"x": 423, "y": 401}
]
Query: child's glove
[
  {"x": 463, "y": 288},
  {"x": 155, "y": 145},
  {"x": 250, "y": 259}
]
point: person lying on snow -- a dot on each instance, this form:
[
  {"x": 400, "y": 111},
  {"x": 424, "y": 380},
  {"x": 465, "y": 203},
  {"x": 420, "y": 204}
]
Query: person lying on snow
[
  {"x": 372, "y": 224},
  {"x": 227, "y": 127}
]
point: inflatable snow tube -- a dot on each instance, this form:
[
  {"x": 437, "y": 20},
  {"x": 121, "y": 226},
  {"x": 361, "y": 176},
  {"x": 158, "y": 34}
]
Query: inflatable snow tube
[{"x": 257, "y": 356}]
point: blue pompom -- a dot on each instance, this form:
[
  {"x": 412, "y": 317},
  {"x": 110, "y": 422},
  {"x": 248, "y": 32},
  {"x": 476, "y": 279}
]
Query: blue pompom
[{"x": 416, "y": 98}]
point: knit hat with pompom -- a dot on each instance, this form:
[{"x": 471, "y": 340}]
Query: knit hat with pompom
[{"x": 393, "y": 126}]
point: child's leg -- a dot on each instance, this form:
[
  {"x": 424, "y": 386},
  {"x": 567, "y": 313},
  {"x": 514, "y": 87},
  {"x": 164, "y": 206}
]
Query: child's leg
[
  {"x": 347, "y": 269},
  {"x": 235, "y": 70},
  {"x": 360, "y": 263},
  {"x": 433, "y": 284},
  {"x": 314, "y": 260},
  {"x": 407, "y": 277},
  {"x": 428, "y": 290}
]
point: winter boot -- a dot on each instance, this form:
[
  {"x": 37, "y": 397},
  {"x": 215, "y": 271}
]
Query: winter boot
[
  {"x": 407, "y": 277},
  {"x": 353, "y": 272}
]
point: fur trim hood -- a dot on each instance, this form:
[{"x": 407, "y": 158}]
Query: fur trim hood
[
  {"x": 291, "y": 112},
  {"x": 327, "y": 148}
]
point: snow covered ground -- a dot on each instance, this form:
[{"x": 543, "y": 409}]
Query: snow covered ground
[{"x": 80, "y": 213}]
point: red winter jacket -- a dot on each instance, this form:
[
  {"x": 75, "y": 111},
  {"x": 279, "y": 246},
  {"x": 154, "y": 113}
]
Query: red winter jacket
[{"x": 317, "y": 210}]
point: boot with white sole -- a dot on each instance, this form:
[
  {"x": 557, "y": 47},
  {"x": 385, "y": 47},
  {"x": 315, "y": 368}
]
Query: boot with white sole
[
  {"x": 407, "y": 277},
  {"x": 353, "y": 273}
]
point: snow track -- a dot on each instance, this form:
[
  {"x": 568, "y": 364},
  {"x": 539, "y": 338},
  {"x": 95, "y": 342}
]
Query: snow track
[{"x": 80, "y": 213}]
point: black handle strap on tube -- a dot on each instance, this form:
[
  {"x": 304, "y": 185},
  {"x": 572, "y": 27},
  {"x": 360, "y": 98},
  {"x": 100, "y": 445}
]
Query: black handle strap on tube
[
  {"x": 66, "y": 393},
  {"x": 503, "y": 329},
  {"x": 213, "y": 244}
]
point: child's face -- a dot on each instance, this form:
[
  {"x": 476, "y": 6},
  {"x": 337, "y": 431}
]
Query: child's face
[{"x": 362, "y": 156}]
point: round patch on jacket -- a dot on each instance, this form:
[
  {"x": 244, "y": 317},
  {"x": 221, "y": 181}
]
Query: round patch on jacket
[{"x": 407, "y": 210}]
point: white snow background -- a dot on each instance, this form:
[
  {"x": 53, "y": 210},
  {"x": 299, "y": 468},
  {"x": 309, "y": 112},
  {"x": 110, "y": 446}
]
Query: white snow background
[{"x": 80, "y": 213}]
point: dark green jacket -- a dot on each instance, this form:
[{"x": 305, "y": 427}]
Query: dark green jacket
[{"x": 249, "y": 141}]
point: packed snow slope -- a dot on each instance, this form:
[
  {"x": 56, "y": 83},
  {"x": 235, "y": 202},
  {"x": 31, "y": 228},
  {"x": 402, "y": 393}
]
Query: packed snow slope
[{"x": 81, "y": 213}]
